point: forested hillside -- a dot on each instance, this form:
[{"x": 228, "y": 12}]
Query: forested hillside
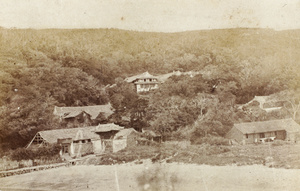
[{"x": 44, "y": 68}]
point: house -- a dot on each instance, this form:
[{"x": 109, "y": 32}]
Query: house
[
  {"x": 282, "y": 129},
  {"x": 84, "y": 115},
  {"x": 266, "y": 103},
  {"x": 107, "y": 133},
  {"x": 144, "y": 82},
  {"x": 125, "y": 138},
  {"x": 75, "y": 142}
]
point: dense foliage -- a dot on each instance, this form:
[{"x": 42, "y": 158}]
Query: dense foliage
[
  {"x": 40, "y": 69},
  {"x": 45, "y": 152}
]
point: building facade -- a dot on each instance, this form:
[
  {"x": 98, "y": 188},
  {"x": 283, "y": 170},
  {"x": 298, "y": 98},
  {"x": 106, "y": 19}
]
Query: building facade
[
  {"x": 144, "y": 82},
  {"x": 76, "y": 142},
  {"x": 262, "y": 131}
]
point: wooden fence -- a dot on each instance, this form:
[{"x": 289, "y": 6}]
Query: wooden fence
[{"x": 30, "y": 169}]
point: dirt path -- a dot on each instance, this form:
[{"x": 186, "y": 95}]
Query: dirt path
[{"x": 171, "y": 177}]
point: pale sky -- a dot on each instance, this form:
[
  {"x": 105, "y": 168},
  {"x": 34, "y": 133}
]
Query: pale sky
[{"x": 151, "y": 15}]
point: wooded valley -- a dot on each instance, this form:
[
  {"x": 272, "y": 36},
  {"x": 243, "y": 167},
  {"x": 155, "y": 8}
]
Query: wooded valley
[{"x": 40, "y": 69}]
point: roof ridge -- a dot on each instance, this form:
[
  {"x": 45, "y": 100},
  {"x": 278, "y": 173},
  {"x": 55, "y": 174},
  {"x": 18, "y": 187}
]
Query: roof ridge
[
  {"x": 67, "y": 128},
  {"x": 286, "y": 119},
  {"x": 83, "y": 106}
]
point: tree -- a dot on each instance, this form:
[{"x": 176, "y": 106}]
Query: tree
[{"x": 292, "y": 101}]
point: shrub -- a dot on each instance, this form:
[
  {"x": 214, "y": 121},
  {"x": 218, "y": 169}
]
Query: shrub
[
  {"x": 46, "y": 152},
  {"x": 22, "y": 154},
  {"x": 279, "y": 143},
  {"x": 212, "y": 140}
]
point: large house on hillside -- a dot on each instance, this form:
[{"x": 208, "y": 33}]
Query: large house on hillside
[
  {"x": 76, "y": 142},
  {"x": 83, "y": 115},
  {"x": 144, "y": 82},
  {"x": 252, "y": 132}
]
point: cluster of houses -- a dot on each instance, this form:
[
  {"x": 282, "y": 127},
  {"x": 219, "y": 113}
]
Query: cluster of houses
[
  {"x": 103, "y": 138},
  {"x": 77, "y": 142},
  {"x": 88, "y": 138},
  {"x": 100, "y": 139}
]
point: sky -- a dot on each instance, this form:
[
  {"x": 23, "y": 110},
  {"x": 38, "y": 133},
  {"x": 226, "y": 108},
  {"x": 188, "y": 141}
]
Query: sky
[{"x": 151, "y": 15}]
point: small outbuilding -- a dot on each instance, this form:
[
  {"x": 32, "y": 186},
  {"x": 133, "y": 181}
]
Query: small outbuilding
[
  {"x": 107, "y": 133},
  {"x": 262, "y": 131},
  {"x": 125, "y": 138}
]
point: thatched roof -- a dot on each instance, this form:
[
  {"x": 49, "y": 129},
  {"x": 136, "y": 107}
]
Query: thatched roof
[
  {"x": 51, "y": 136},
  {"x": 288, "y": 125},
  {"x": 124, "y": 133},
  {"x": 107, "y": 127},
  {"x": 93, "y": 111},
  {"x": 144, "y": 75}
]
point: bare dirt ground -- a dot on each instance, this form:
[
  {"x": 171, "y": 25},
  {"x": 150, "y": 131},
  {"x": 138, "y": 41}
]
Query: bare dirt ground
[{"x": 148, "y": 176}]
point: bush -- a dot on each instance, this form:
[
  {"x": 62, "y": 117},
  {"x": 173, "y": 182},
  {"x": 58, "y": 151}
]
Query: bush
[
  {"x": 212, "y": 140},
  {"x": 46, "y": 152},
  {"x": 22, "y": 154},
  {"x": 279, "y": 143}
]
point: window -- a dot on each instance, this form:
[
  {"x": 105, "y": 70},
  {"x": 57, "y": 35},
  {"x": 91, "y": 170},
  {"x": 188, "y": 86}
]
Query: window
[
  {"x": 246, "y": 136},
  {"x": 65, "y": 149},
  {"x": 261, "y": 135}
]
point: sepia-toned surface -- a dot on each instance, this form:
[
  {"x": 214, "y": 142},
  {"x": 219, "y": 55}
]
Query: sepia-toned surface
[
  {"x": 251, "y": 52},
  {"x": 151, "y": 15},
  {"x": 188, "y": 177}
]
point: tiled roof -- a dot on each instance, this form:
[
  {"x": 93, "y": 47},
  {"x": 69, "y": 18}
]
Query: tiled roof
[
  {"x": 124, "y": 133},
  {"x": 288, "y": 125},
  {"x": 93, "y": 111},
  {"x": 161, "y": 78},
  {"x": 107, "y": 127},
  {"x": 51, "y": 136},
  {"x": 144, "y": 75}
]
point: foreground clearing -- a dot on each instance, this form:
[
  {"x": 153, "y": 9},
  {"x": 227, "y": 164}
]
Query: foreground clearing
[{"x": 170, "y": 177}]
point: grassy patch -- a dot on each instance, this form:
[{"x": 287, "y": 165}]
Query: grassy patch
[{"x": 279, "y": 156}]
